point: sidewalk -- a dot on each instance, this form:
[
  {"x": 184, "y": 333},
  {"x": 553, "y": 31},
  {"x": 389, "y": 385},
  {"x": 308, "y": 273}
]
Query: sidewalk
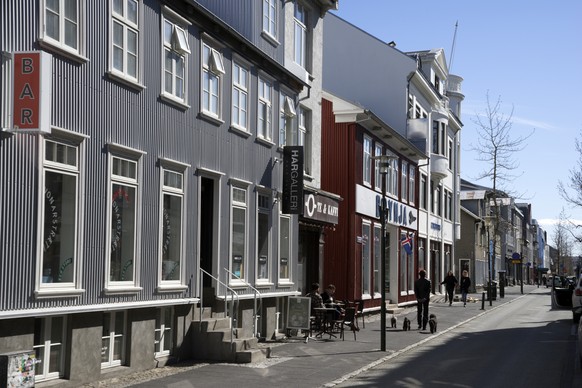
[{"x": 325, "y": 363}]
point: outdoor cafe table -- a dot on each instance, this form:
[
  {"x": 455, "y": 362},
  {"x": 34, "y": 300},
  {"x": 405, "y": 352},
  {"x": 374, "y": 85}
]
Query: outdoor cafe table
[{"x": 325, "y": 320}]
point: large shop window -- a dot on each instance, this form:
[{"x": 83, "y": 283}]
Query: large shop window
[
  {"x": 284, "y": 248},
  {"x": 172, "y": 229},
  {"x": 263, "y": 237},
  {"x": 60, "y": 220},
  {"x": 125, "y": 204},
  {"x": 49, "y": 346},
  {"x": 62, "y": 25},
  {"x": 366, "y": 270},
  {"x": 238, "y": 233},
  {"x": 124, "y": 39},
  {"x": 113, "y": 339},
  {"x": 163, "y": 331}
]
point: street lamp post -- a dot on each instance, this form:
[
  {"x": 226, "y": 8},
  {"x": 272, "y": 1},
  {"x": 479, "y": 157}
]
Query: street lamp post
[{"x": 383, "y": 163}]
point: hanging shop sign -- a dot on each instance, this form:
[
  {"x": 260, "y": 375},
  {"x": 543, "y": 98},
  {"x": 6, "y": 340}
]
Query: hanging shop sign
[
  {"x": 31, "y": 92},
  {"x": 321, "y": 208},
  {"x": 293, "y": 180}
]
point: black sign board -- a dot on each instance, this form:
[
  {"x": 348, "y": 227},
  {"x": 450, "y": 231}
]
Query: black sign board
[
  {"x": 298, "y": 312},
  {"x": 293, "y": 180}
]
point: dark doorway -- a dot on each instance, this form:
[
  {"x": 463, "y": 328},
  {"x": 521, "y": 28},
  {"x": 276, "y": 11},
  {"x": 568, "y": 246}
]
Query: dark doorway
[
  {"x": 206, "y": 227},
  {"x": 308, "y": 260}
]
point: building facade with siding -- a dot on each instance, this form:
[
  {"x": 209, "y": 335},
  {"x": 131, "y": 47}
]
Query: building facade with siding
[{"x": 156, "y": 176}]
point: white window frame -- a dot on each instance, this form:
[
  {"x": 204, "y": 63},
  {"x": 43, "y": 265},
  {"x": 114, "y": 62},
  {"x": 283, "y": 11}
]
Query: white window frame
[
  {"x": 287, "y": 115},
  {"x": 111, "y": 338},
  {"x": 423, "y": 192},
  {"x": 174, "y": 189},
  {"x": 411, "y": 184},
  {"x": 59, "y": 43},
  {"x": 66, "y": 139},
  {"x": 367, "y": 161},
  {"x": 377, "y": 233},
  {"x": 263, "y": 206},
  {"x": 129, "y": 27},
  {"x": 44, "y": 349},
  {"x": 127, "y": 156},
  {"x": 240, "y": 88},
  {"x": 241, "y": 187},
  {"x": 163, "y": 331},
  {"x": 377, "y": 175},
  {"x": 265, "y": 109},
  {"x": 288, "y": 246},
  {"x": 404, "y": 181},
  {"x": 212, "y": 65},
  {"x": 175, "y": 46},
  {"x": 366, "y": 260},
  {"x": 304, "y": 138},
  {"x": 269, "y": 20},
  {"x": 300, "y": 34}
]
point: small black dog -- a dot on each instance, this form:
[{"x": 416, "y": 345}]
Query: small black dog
[
  {"x": 393, "y": 321},
  {"x": 406, "y": 324},
  {"x": 432, "y": 322}
]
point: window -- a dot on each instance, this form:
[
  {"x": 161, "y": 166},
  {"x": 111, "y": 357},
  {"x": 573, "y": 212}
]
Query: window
[
  {"x": 450, "y": 154},
  {"x": 433, "y": 198},
  {"x": 284, "y": 247},
  {"x": 435, "y": 137},
  {"x": 270, "y": 17},
  {"x": 124, "y": 39},
  {"x": 263, "y": 236},
  {"x": 264, "y": 129},
  {"x": 377, "y": 175},
  {"x": 367, "y": 161},
  {"x": 287, "y": 113},
  {"x": 423, "y": 192},
  {"x": 123, "y": 220},
  {"x": 172, "y": 230},
  {"x": 438, "y": 200},
  {"x": 175, "y": 51},
  {"x": 238, "y": 242},
  {"x": 212, "y": 72},
  {"x": 448, "y": 205},
  {"x": 240, "y": 96},
  {"x": 49, "y": 346},
  {"x": 305, "y": 138},
  {"x": 113, "y": 339},
  {"x": 61, "y": 25},
  {"x": 366, "y": 258},
  {"x": 412, "y": 184},
  {"x": 60, "y": 210},
  {"x": 163, "y": 332},
  {"x": 404, "y": 184},
  {"x": 392, "y": 177},
  {"x": 377, "y": 258},
  {"x": 300, "y": 34}
]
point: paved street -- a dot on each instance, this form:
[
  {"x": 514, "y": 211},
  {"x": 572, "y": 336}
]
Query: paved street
[{"x": 326, "y": 363}]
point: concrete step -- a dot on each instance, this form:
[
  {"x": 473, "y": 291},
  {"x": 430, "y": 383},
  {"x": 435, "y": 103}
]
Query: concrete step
[
  {"x": 252, "y": 355},
  {"x": 393, "y": 309}
]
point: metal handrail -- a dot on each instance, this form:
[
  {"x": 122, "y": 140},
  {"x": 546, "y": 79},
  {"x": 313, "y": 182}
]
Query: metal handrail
[
  {"x": 255, "y": 308},
  {"x": 233, "y": 294}
]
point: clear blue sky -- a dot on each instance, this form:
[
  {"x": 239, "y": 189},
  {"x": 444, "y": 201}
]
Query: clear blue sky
[{"x": 527, "y": 53}]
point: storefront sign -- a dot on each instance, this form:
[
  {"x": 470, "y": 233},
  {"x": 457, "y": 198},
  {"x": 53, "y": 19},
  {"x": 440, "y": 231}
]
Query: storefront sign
[
  {"x": 293, "y": 180},
  {"x": 321, "y": 208},
  {"x": 31, "y": 99},
  {"x": 368, "y": 203}
]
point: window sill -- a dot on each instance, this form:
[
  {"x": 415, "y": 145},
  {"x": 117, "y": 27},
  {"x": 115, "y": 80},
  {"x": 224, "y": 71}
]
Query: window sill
[
  {"x": 111, "y": 290},
  {"x": 239, "y": 130},
  {"x": 169, "y": 288},
  {"x": 285, "y": 283},
  {"x": 263, "y": 284},
  {"x": 58, "y": 293},
  {"x": 264, "y": 141},
  {"x": 75, "y": 56},
  {"x": 210, "y": 118},
  {"x": 126, "y": 81},
  {"x": 174, "y": 101},
  {"x": 270, "y": 38}
]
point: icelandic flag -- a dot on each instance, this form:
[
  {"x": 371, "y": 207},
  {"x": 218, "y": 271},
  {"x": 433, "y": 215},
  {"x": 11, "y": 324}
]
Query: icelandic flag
[{"x": 407, "y": 241}]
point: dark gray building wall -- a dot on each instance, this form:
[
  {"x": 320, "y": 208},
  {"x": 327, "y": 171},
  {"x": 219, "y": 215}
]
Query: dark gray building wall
[{"x": 85, "y": 355}]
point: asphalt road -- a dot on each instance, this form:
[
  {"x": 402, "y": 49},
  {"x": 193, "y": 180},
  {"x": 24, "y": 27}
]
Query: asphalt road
[{"x": 525, "y": 343}]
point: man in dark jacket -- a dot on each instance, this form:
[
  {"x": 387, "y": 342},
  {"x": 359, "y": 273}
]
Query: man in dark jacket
[
  {"x": 422, "y": 292},
  {"x": 450, "y": 283}
]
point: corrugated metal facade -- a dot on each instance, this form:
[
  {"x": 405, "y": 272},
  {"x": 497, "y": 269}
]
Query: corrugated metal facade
[{"x": 85, "y": 100}]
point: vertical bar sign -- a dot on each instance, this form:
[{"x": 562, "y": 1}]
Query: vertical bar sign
[
  {"x": 32, "y": 76},
  {"x": 293, "y": 180}
]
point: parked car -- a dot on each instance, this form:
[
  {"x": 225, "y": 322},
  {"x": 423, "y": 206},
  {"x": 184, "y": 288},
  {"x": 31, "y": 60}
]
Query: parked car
[{"x": 577, "y": 301}]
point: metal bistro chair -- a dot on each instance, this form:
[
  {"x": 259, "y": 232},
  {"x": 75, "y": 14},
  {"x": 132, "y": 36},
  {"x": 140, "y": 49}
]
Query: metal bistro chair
[
  {"x": 349, "y": 321},
  {"x": 360, "y": 312}
]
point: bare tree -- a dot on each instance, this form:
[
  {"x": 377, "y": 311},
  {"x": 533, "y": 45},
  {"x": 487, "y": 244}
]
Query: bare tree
[
  {"x": 498, "y": 148},
  {"x": 572, "y": 192},
  {"x": 562, "y": 240}
]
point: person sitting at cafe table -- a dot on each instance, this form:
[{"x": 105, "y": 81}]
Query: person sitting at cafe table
[
  {"x": 327, "y": 297},
  {"x": 316, "y": 300}
]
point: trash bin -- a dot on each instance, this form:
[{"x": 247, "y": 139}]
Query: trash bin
[{"x": 492, "y": 290}]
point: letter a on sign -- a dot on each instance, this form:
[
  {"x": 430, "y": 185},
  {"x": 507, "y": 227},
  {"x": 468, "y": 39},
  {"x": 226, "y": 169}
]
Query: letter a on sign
[{"x": 32, "y": 73}]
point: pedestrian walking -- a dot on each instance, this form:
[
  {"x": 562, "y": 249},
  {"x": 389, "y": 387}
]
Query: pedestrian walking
[
  {"x": 450, "y": 283},
  {"x": 465, "y": 284},
  {"x": 422, "y": 292}
]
